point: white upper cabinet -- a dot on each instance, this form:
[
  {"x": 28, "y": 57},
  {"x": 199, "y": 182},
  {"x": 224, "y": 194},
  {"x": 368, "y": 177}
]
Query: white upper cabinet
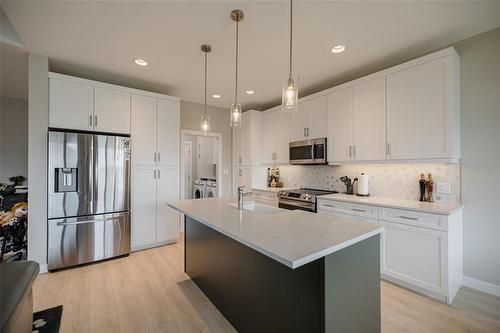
[
  {"x": 309, "y": 121},
  {"x": 423, "y": 111},
  {"x": 247, "y": 139},
  {"x": 81, "y": 104},
  {"x": 143, "y": 129},
  {"x": 340, "y": 125},
  {"x": 317, "y": 118},
  {"x": 71, "y": 104},
  {"x": 369, "y": 132},
  {"x": 408, "y": 112},
  {"x": 111, "y": 110},
  {"x": 299, "y": 121},
  {"x": 168, "y": 132},
  {"x": 275, "y": 137}
]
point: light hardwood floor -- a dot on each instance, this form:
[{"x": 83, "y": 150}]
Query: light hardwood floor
[{"x": 148, "y": 292}]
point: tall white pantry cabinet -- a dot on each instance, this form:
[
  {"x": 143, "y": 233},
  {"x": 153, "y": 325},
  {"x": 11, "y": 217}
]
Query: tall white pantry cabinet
[{"x": 155, "y": 135}]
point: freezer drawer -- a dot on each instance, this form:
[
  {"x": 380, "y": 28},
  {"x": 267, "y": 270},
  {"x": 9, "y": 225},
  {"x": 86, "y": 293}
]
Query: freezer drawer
[{"x": 79, "y": 240}]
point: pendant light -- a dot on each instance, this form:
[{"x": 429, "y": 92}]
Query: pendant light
[
  {"x": 236, "y": 109},
  {"x": 290, "y": 93},
  {"x": 205, "y": 121}
]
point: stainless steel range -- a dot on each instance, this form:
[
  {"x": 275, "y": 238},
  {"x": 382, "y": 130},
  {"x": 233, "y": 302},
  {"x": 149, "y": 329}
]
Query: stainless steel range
[{"x": 302, "y": 199}]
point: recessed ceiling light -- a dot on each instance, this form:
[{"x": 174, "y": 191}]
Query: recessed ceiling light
[
  {"x": 338, "y": 49},
  {"x": 141, "y": 62},
  {"x": 215, "y": 96},
  {"x": 250, "y": 92}
]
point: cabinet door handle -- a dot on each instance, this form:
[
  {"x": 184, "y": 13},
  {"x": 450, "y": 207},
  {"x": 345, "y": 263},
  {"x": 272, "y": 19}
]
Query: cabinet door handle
[
  {"x": 158, "y": 158},
  {"x": 359, "y": 210},
  {"x": 389, "y": 150},
  {"x": 159, "y": 176},
  {"x": 90, "y": 120},
  {"x": 240, "y": 160},
  {"x": 307, "y": 131},
  {"x": 350, "y": 151},
  {"x": 154, "y": 174},
  {"x": 154, "y": 156},
  {"x": 95, "y": 121},
  {"x": 409, "y": 218}
]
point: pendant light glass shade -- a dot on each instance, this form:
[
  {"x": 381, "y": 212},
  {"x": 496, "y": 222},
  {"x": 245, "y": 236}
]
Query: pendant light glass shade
[
  {"x": 205, "y": 124},
  {"x": 235, "y": 114},
  {"x": 290, "y": 94}
]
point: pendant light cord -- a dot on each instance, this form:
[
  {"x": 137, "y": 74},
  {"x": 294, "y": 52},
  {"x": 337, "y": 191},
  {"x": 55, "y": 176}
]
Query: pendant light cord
[
  {"x": 206, "y": 84},
  {"x": 291, "y": 34},
  {"x": 236, "y": 76}
]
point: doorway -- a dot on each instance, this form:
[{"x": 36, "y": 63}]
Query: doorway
[{"x": 201, "y": 169}]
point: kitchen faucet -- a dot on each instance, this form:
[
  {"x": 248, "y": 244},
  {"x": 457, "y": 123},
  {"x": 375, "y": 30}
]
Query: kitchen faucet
[{"x": 241, "y": 195}]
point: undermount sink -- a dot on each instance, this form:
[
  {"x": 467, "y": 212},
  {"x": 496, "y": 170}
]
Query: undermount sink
[{"x": 258, "y": 208}]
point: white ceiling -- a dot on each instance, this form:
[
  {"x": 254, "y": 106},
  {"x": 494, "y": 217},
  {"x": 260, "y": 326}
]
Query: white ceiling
[{"x": 99, "y": 40}]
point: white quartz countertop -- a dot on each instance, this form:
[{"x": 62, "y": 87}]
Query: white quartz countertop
[
  {"x": 293, "y": 238},
  {"x": 425, "y": 207}
]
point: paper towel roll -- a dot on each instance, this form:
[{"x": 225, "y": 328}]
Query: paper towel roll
[{"x": 363, "y": 185}]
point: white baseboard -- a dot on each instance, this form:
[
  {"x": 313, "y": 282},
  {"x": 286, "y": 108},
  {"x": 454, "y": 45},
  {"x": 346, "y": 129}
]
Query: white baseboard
[
  {"x": 43, "y": 268},
  {"x": 483, "y": 286}
]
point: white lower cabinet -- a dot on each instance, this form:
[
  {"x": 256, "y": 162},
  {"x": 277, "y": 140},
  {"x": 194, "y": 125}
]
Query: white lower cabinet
[
  {"x": 415, "y": 255},
  {"x": 153, "y": 222},
  {"x": 143, "y": 199},
  {"x": 167, "y": 189},
  {"x": 420, "y": 251}
]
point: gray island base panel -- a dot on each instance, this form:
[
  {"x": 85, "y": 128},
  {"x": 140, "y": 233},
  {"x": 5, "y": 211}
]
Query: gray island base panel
[{"x": 337, "y": 293}]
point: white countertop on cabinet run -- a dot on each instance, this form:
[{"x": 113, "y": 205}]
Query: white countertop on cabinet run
[
  {"x": 293, "y": 238},
  {"x": 424, "y": 207}
]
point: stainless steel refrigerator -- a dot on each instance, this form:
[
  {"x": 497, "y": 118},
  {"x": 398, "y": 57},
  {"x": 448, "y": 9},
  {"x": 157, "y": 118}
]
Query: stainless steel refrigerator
[{"x": 88, "y": 197}]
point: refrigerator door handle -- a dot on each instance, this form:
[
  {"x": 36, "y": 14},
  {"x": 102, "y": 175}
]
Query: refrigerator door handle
[{"x": 79, "y": 222}]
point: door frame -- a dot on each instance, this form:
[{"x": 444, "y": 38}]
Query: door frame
[
  {"x": 216, "y": 135},
  {"x": 190, "y": 166}
]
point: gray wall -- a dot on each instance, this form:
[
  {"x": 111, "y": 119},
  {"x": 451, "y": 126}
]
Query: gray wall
[
  {"x": 13, "y": 138},
  {"x": 219, "y": 123},
  {"x": 480, "y": 117},
  {"x": 38, "y": 122}
]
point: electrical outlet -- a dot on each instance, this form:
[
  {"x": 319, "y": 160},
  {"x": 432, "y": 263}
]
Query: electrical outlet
[{"x": 443, "y": 188}]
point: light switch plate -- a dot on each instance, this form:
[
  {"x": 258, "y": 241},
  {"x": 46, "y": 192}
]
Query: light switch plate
[{"x": 443, "y": 188}]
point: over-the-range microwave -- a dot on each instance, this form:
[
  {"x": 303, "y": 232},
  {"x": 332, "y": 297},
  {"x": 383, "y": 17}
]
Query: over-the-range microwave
[{"x": 308, "y": 152}]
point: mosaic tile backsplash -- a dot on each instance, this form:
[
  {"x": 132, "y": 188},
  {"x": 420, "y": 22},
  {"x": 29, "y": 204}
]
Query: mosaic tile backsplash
[{"x": 385, "y": 180}]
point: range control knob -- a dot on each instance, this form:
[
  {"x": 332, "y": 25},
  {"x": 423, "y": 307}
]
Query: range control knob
[{"x": 307, "y": 196}]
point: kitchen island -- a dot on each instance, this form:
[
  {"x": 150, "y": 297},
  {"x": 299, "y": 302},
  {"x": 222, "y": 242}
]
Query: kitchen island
[{"x": 273, "y": 270}]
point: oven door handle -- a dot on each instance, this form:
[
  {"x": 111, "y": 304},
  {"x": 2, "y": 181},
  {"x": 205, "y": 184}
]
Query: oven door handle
[
  {"x": 296, "y": 203},
  {"x": 312, "y": 151}
]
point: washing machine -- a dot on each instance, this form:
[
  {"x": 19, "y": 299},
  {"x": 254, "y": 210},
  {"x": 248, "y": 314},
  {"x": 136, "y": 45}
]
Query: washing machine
[
  {"x": 211, "y": 188},
  {"x": 199, "y": 188}
]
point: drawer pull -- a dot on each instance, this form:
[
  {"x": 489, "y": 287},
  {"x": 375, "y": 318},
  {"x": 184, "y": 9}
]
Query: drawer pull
[
  {"x": 327, "y": 205},
  {"x": 359, "y": 210},
  {"x": 409, "y": 218}
]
